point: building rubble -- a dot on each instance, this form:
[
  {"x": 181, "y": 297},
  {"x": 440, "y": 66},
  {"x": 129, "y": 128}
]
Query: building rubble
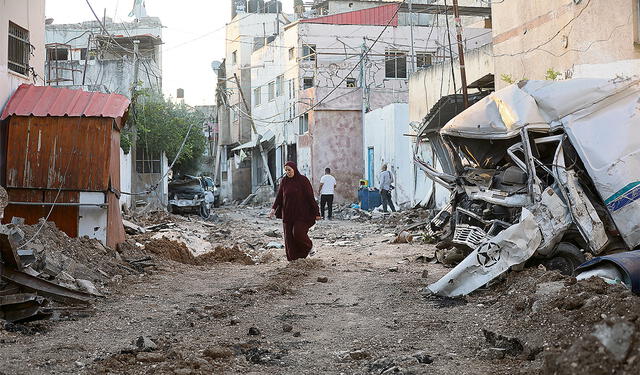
[{"x": 540, "y": 171}]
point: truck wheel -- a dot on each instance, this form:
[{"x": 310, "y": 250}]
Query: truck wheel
[{"x": 565, "y": 259}]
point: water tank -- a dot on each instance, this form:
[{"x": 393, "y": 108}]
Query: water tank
[
  {"x": 273, "y": 6},
  {"x": 255, "y": 6}
]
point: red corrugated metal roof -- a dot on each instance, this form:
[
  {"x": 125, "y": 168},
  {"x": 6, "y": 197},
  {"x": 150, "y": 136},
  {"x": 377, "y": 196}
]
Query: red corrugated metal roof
[
  {"x": 378, "y": 16},
  {"x": 30, "y": 100}
]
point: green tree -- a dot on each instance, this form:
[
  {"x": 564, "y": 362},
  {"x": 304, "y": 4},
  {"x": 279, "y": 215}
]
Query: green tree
[{"x": 162, "y": 126}]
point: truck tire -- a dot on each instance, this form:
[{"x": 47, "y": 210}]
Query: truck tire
[{"x": 565, "y": 258}]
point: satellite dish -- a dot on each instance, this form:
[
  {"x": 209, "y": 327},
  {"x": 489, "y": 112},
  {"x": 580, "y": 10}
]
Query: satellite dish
[{"x": 215, "y": 65}]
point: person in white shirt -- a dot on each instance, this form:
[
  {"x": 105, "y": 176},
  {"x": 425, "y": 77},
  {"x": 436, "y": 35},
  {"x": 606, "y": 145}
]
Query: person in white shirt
[
  {"x": 326, "y": 191},
  {"x": 386, "y": 181}
]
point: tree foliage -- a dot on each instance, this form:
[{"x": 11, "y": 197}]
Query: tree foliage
[{"x": 162, "y": 126}]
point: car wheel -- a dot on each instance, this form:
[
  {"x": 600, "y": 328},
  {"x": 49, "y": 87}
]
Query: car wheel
[
  {"x": 566, "y": 257},
  {"x": 204, "y": 210}
]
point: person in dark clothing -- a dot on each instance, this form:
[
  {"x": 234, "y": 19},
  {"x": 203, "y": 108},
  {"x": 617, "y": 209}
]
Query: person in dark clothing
[{"x": 298, "y": 209}]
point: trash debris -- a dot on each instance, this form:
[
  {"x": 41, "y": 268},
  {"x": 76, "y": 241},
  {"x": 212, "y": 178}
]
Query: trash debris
[{"x": 404, "y": 237}]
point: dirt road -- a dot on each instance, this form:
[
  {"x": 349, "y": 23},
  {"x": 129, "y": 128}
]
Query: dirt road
[{"x": 357, "y": 307}]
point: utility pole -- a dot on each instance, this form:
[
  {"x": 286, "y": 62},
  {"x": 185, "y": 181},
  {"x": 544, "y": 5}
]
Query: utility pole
[
  {"x": 265, "y": 162},
  {"x": 363, "y": 87},
  {"x": 413, "y": 52},
  {"x": 463, "y": 73}
]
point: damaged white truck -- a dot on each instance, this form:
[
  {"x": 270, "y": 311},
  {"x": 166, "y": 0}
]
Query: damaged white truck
[{"x": 538, "y": 171}]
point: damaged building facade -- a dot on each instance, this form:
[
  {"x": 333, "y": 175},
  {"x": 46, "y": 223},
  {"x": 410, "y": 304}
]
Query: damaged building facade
[
  {"x": 312, "y": 82},
  {"x": 109, "y": 57}
]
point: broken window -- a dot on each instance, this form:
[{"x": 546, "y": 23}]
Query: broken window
[
  {"x": 395, "y": 65},
  {"x": 234, "y": 57},
  {"x": 304, "y": 123},
  {"x": 147, "y": 162},
  {"x": 272, "y": 90},
  {"x": 307, "y": 83},
  {"x": 279, "y": 85},
  {"x": 423, "y": 60},
  {"x": 19, "y": 49},
  {"x": 351, "y": 82},
  {"x": 57, "y": 53},
  {"x": 292, "y": 53},
  {"x": 257, "y": 96},
  {"x": 309, "y": 52}
]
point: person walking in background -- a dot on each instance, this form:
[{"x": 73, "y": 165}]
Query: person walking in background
[
  {"x": 326, "y": 191},
  {"x": 296, "y": 205},
  {"x": 386, "y": 181}
]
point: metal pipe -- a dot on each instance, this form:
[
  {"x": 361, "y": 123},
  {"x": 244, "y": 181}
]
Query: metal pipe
[{"x": 463, "y": 72}]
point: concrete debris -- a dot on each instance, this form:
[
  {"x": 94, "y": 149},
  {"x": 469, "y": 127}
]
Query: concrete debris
[
  {"x": 254, "y": 331},
  {"x": 145, "y": 344},
  {"x": 615, "y": 337},
  {"x": 323, "y": 279},
  {"x": 132, "y": 228},
  {"x": 274, "y": 245},
  {"x": 404, "y": 237}
]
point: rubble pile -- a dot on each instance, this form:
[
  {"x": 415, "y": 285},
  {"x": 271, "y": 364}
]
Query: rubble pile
[{"x": 591, "y": 327}]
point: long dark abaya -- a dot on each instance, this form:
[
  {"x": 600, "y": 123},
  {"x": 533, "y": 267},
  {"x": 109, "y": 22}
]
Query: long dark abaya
[{"x": 297, "y": 207}]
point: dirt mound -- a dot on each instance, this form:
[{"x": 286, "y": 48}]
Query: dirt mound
[
  {"x": 223, "y": 254},
  {"x": 586, "y": 327},
  {"x": 171, "y": 250},
  {"x": 286, "y": 279}
]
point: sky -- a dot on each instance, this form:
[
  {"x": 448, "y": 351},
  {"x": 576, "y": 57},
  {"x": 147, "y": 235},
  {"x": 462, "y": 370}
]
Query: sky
[{"x": 193, "y": 36}]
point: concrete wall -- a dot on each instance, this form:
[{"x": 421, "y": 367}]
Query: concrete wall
[
  {"x": 125, "y": 178},
  {"x": 427, "y": 86},
  {"x": 530, "y": 37},
  {"x": 28, "y": 15},
  {"x": 385, "y": 131}
]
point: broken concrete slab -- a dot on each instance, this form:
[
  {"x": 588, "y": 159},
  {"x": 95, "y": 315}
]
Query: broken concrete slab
[{"x": 616, "y": 337}]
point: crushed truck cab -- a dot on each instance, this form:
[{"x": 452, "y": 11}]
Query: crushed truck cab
[{"x": 543, "y": 170}]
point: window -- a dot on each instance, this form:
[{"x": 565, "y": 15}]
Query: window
[
  {"x": 395, "y": 65},
  {"x": 423, "y": 60},
  {"x": 147, "y": 162},
  {"x": 304, "y": 123},
  {"x": 292, "y": 88},
  {"x": 309, "y": 52},
  {"x": 19, "y": 49},
  {"x": 292, "y": 53},
  {"x": 351, "y": 82},
  {"x": 279, "y": 85},
  {"x": 307, "y": 83},
  {"x": 234, "y": 57},
  {"x": 272, "y": 90},
  {"x": 257, "y": 96},
  {"x": 57, "y": 53},
  {"x": 83, "y": 54}
]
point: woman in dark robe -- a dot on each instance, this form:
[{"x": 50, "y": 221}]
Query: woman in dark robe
[{"x": 297, "y": 207}]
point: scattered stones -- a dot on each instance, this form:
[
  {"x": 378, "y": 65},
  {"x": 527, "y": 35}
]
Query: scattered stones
[
  {"x": 145, "y": 344},
  {"x": 297, "y": 334},
  {"x": 359, "y": 355},
  {"x": 234, "y": 321},
  {"x": 183, "y": 371},
  {"x": 150, "y": 357},
  {"x": 425, "y": 274},
  {"x": 274, "y": 245},
  {"x": 423, "y": 358},
  {"x": 218, "y": 352},
  {"x": 393, "y": 269},
  {"x": 493, "y": 353},
  {"x": 511, "y": 346},
  {"x": 88, "y": 287},
  {"x": 287, "y": 327},
  {"x": 254, "y": 331},
  {"x": 323, "y": 279}
]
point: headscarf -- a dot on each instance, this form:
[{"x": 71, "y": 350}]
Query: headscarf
[{"x": 297, "y": 177}]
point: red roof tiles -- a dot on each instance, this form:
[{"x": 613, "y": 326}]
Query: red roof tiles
[{"x": 378, "y": 16}]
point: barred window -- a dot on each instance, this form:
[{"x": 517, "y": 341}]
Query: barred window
[
  {"x": 395, "y": 64},
  {"x": 19, "y": 49},
  {"x": 147, "y": 162}
]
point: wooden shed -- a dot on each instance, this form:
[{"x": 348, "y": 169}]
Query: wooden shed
[{"x": 63, "y": 159}]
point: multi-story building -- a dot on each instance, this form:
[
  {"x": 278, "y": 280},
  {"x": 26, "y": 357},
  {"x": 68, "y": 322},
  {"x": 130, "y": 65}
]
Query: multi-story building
[
  {"x": 312, "y": 83},
  {"x": 22, "y": 54}
]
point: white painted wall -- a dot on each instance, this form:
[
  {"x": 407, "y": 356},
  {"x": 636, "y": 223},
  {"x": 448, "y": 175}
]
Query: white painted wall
[
  {"x": 623, "y": 68},
  {"x": 125, "y": 178},
  {"x": 93, "y": 219},
  {"x": 28, "y": 15},
  {"x": 385, "y": 130}
]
